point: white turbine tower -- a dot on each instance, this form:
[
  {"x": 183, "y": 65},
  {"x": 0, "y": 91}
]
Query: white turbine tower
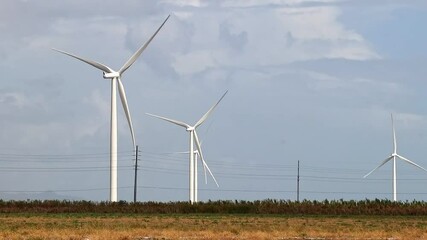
[
  {"x": 115, "y": 77},
  {"x": 393, "y": 157},
  {"x": 192, "y": 152},
  {"x": 196, "y": 157},
  {"x": 196, "y": 189}
]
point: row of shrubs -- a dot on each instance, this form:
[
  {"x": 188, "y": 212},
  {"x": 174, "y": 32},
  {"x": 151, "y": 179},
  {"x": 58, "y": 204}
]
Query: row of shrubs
[{"x": 286, "y": 207}]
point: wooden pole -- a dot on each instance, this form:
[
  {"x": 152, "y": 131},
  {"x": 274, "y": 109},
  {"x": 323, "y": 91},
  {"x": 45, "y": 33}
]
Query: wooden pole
[
  {"x": 298, "y": 183},
  {"x": 136, "y": 175}
]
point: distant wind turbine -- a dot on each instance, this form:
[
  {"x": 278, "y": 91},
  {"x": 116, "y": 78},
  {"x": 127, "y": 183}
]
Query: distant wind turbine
[
  {"x": 393, "y": 157},
  {"x": 115, "y": 77},
  {"x": 195, "y": 172},
  {"x": 196, "y": 157},
  {"x": 192, "y": 153}
]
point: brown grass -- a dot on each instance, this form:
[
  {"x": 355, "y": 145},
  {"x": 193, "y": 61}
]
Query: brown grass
[{"x": 75, "y": 226}]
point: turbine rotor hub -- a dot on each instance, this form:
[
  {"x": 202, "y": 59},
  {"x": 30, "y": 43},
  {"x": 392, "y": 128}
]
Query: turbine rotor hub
[{"x": 189, "y": 129}]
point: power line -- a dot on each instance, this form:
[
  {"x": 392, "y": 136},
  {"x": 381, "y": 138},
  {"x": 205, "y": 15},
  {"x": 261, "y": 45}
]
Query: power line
[
  {"x": 232, "y": 175},
  {"x": 211, "y": 190},
  {"x": 161, "y": 157},
  {"x": 58, "y": 169},
  {"x": 46, "y": 156}
]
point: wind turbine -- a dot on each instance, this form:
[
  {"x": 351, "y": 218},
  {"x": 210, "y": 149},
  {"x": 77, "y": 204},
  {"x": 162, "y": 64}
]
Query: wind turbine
[
  {"x": 196, "y": 157},
  {"x": 393, "y": 157},
  {"x": 196, "y": 154},
  {"x": 115, "y": 77},
  {"x": 192, "y": 154}
]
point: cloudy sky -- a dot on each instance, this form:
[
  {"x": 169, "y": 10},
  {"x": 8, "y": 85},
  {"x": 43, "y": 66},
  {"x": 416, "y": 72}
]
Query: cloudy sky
[{"x": 313, "y": 81}]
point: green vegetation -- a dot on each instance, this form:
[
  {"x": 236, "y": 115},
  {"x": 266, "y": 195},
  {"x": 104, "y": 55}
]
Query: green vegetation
[{"x": 269, "y": 207}]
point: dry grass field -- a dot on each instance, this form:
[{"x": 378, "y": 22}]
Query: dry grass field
[{"x": 209, "y": 226}]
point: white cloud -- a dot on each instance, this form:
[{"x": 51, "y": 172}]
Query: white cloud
[
  {"x": 97, "y": 101},
  {"x": 182, "y": 15},
  {"x": 315, "y": 23},
  {"x": 254, "y": 3},
  {"x": 322, "y": 81},
  {"x": 283, "y": 36},
  {"x": 411, "y": 120},
  {"x": 14, "y": 99},
  {"x": 194, "y": 62},
  {"x": 99, "y": 115},
  {"x": 182, "y": 3}
]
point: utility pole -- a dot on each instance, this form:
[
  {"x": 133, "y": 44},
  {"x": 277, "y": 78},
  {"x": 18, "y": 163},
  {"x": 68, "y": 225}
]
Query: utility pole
[
  {"x": 136, "y": 174},
  {"x": 298, "y": 183}
]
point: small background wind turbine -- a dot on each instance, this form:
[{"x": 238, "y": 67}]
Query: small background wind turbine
[
  {"x": 393, "y": 157},
  {"x": 196, "y": 157},
  {"x": 115, "y": 77},
  {"x": 192, "y": 153}
]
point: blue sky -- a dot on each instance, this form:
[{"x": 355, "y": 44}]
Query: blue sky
[{"x": 313, "y": 81}]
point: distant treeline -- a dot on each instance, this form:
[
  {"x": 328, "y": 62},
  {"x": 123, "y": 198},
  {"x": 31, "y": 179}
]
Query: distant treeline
[{"x": 284, "y": 207}]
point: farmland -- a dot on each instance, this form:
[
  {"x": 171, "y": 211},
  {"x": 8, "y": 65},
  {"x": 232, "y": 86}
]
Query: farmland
[{"x": 212, "y": 220}]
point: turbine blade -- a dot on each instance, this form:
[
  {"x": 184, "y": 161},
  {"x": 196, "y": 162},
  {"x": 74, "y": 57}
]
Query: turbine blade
[
  {"x": 204, "y": 117},
  {"x": 98, "y": 65},
  {"x": 206, "y": 132},
  {"x": 384, "y": 162},
  {"x": 199, "y": 148},
  {"x": 394, "y": 135},
  {"x": 179, "y": 123},
  {"x": 197, "y": 156},
  {"x": 140, "y": 50},
  {"x": 410, "y": 162},
  {"x": 186, "y": 152},
  {"x": 124, "y": 101},
  {"x": 204, "y": 168}
]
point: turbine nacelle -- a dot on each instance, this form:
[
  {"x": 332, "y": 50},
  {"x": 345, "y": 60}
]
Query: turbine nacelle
[
  {"x": 111, "y": 75},
  {"x": 189, "y": 129}
]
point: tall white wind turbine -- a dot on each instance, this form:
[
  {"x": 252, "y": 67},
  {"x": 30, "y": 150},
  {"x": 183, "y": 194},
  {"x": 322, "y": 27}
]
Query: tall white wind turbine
[
  {"x": 192, "y": 153},
  {"x": 115, "y": 77},
  {"x": 393, "y": 157}
]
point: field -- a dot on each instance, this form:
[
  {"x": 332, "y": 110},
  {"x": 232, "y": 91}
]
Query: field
[
  {"x": 85, "y": 226},
  {"x": 86, "y": 220}
]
